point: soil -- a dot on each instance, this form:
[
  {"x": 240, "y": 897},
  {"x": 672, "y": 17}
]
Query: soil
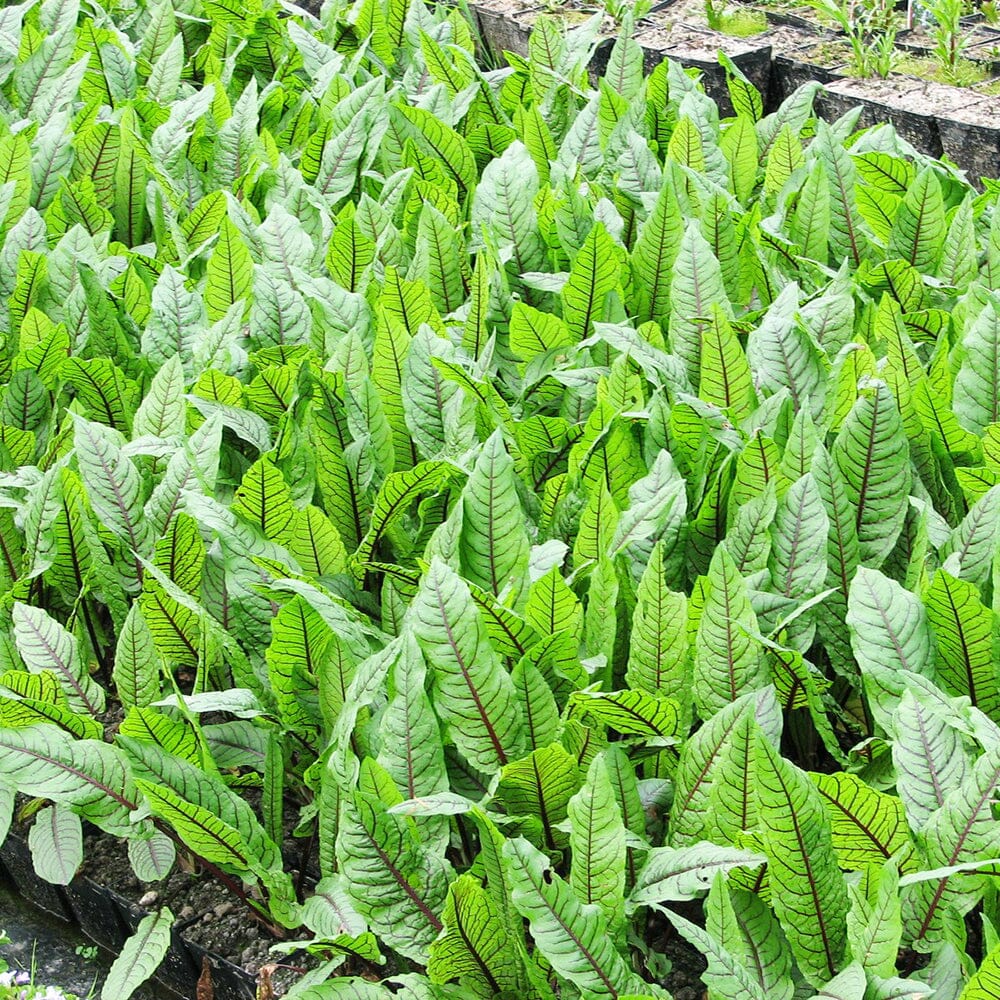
[
  {"x": 908, "y": 96},
  {"x": 573, "y": 14},
  {"x": 687, "y": 964},
  {"x": 982, "y": 113},
  {"x": 696, "y": 43},
  {"x": 828, "y": 53},
  {"x": 788, "y": 38},
  {"x": 920, "y": 39},
  {"x": 207, "y": 912},
  {"x": 507, "y": 8},
  {"x": 684, "y": 979}
]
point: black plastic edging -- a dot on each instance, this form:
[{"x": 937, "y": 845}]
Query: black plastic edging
[{"x": 108, "y": 919}]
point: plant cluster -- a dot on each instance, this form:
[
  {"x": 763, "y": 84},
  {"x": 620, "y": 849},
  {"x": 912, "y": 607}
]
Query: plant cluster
[
  {"x": 870, "y": 27},
  {"x": 572, "y": 517}
]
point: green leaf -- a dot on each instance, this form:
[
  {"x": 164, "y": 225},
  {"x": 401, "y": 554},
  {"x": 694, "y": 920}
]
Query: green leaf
[
  {"x": 162, "y": 411},
  {"x": 398, "y": 493},
  {"x": 476, "y": 947},
  {"x": 438, "y": 259},
  {"x": 474, "y": 694},
  {"x": 919, "y": 229},
  {"x": 847, "y": 239},
  {"x": 798, "y": 541},
  {"x": 965, "y": 632},
  {"x": 393, "y": 882},
  {"x": 494, "y": 543},
  {"x": 725, "y": 380},
  {"x": 727, "y": 974},
  {"x": 202, "y": 831},
  {"x": 977, "y": 384},
  {"x": 573, "y": 940},
  {"x": 808, "y": 891},
  {"x": 597, "y": 842},
  {"x": 874, "y": 923},
  {"x": 888, "y": 624},
  {"x": 43, "y": 644},
  {"x": 264, "y": 499},
  {"x": 653, "y": 255},
  {"x": 658, "y": 648},
  {"x": 742, "y": 925},
  {"x": 56, "y": 842},
  {"x": 140, "y": 956},
  {"x": 541, "y": 786},
  {"x": 632, "y": 713},
  {"x": 783, "y": 159},
  {"x": 114, "y": 486},
  {"x": 229, "y": 273},
  {"x": 782, "y": 354},
  {"x": 696, "y": 284},
  {"x": 103, "y": 390},
  {"x": 674, "y": 874},
  {"x": 868, "y": 827},
  {"x": 929, "y": 757},
  {"x": 703, "y": 758},
  {"x": 412, "y": 751},
  {"x": 727, "y": 661},
  {"x": 88, "y": 775},
  {"x": 592, "y": 277},
  {"x": 503, "y": 205},
  {"x": 872, "y": 455},
  {"x": 962, "y": 830},
  {"x": 533, "y": 332},
  {"x": 299, "y": 654},
  {"x": 974, "y": 541},
  {"x": 440, "y": 141},
  {"x": 985, "y": 984}
]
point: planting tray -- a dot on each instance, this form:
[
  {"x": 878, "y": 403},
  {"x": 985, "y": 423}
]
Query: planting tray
[{"x": 108, "y": 919}]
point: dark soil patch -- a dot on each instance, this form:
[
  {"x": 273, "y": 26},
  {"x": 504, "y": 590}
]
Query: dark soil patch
[
  {"x": 687, "y": 965},
  {"x": 207, "y": 912}
]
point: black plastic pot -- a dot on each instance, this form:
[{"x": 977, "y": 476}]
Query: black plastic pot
[
  {"x": 228, "y": 980},
  {"x": 599, "y": 62},
  {"x": 98, "y": 912},
  {"x": 790, "y": 73},
  {"x": 15, "y": 855},
  {"x": 787, "y": 18},
  {"x": 501, "y": 25},
  {"x": 880, "y": 103},
  {"x": 970, "y": 140}
]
